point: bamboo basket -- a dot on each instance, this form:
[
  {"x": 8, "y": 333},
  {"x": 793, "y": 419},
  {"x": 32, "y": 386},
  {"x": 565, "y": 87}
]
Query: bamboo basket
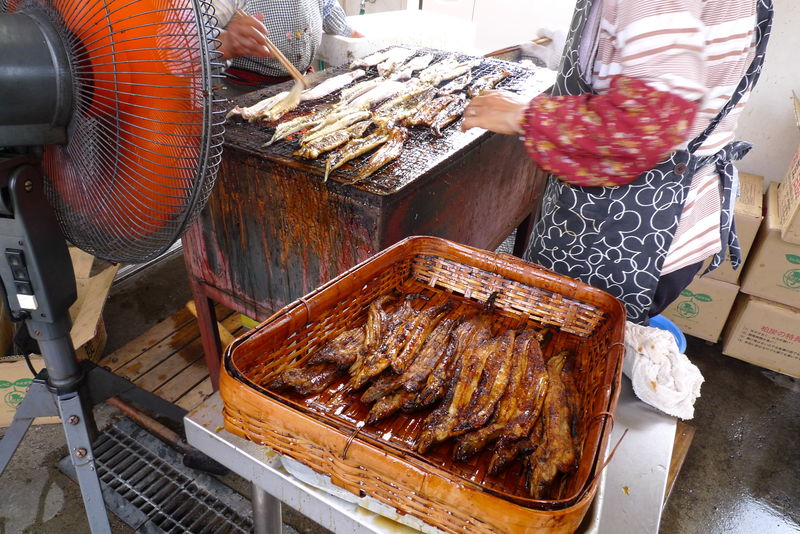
[{"x": 326, "y": 431}]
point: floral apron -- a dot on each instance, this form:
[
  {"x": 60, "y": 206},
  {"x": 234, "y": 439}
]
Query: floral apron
[{"x": 616, "y": 238}]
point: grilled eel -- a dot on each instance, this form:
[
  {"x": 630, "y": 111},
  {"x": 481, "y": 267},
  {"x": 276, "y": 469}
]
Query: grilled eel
[
  {"x": 354, "y": 149},
  {"x": 418, "y": 330},
  {"x": 411, "y": 380},
  {"x": 388, "y": 405},
  {"x": 456, "y": 85},
  {"x": 308, "y": 380},
  {"x": 472, "y": 330},
  {"x": 556, "y": 452},
  {"x": 342, "y": 350},
  {"x": 574, "y": 401},
  {"x": 427, "y": 111},
  {"x": 326, "y": 143},
  {"x": 484, "y": 83},
  {"x": 287, "y": 128},
  {"x": 389, "y": 152},
  {"x": 398, "y": 328},
  {"x": 398, "y": 109},
  {"x": 492, "y": 386},
  {"x": 521, "y": 403},
  {"x": 333, "y": 123},
  {"x": 441, "y": 423},
  {"x": 448, "y": 115}
]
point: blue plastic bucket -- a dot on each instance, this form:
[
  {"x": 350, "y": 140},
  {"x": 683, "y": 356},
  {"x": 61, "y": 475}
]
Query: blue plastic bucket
[{"x": 659, "y": 321}]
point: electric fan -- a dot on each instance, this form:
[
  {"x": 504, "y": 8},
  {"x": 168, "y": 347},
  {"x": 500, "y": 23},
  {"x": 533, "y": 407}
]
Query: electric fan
[{"x": 110, "y": 137}]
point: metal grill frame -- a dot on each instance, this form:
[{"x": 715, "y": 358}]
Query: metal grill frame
[{"x": 145, "y": 484}]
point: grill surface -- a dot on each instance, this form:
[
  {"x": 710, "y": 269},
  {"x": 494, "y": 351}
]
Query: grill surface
[
  {"x": 421, "y": 152},
  {"x": 146, "y": 485}
]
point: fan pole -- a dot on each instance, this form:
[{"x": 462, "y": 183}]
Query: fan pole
[{"x": 39, "y": 286}]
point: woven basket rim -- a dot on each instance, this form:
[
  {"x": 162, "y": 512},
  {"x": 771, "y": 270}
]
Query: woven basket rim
[{"x": 429, "y": 245}]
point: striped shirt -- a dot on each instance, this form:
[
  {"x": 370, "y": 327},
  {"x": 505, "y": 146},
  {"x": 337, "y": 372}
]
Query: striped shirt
[
  {"x": 696, "y": 49},
  {"x": 295, "y": 27}
]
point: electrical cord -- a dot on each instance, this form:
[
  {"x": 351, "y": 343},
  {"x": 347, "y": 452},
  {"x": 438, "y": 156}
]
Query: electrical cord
[{"x": 19, "y": 333}]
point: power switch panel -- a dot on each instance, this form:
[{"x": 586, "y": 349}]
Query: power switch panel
[
  {"x": 22, "y": 280},
  {"x": 19, "y": 270}
]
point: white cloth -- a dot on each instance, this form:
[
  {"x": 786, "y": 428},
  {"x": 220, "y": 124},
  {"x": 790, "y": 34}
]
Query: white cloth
[{"x": 661, "y": 376}]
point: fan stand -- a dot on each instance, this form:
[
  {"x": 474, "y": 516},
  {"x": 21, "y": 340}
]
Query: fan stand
[{"x": 39, "y": 282}]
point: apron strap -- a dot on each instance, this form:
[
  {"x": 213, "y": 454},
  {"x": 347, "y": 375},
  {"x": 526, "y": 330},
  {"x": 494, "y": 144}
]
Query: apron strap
[
  {"x": 762, "y": 31},
  {"x": 723, "y": 160}
]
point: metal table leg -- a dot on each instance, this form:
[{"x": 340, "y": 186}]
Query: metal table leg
[{"x": 266, "y": 512}]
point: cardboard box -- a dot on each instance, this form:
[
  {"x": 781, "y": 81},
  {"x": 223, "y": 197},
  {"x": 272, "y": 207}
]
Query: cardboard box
[
  {"x": 702, "y": 308},
  {"x": 764, "y": 333},
  {"x": 789, "y": 193},
  {"x": 88, "y": 329},
  {"x": 748, "y": 215},
  {"x": 15, "y": 378},
  {"x": 773, "y": 271},
  {"x": 88, "y": 333}
]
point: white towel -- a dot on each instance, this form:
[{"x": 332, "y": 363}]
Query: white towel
[{"x": 661, "y": 376}]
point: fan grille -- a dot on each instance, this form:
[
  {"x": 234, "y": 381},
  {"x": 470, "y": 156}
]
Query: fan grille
[{"x": 145, "y": 137}]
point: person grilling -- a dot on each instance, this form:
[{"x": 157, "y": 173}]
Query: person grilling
[
  {"x": 294, "y": 27},
  {"x": 638, "y": 135}
]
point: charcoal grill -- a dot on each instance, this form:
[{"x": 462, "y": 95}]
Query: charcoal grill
[{"x": 273, "y": 231}]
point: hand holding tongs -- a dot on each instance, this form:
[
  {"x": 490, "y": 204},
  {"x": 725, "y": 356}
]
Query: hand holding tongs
[{"x": 290, "y": 68}]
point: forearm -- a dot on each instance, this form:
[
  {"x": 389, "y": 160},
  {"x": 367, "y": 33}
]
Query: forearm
[{"x": 334, "y": 20}]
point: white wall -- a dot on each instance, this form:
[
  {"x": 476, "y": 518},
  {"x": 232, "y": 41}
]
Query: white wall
[{"x": 768, "y": 120}]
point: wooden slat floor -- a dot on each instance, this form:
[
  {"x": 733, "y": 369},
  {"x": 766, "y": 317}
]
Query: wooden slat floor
[{"x": 168, "y": 358}]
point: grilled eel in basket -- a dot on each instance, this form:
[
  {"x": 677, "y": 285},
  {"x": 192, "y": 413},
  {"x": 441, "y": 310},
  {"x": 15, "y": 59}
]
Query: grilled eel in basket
[
  {"x": 491, "y": 387},
  {"x": 427, "y": 357},
  {"x": 556, "y": 451},
  {"x": 402, "y": 327},
  {"x": 393, "y": 392},
  {"x": 521, "y": 403},
  {"x": 442, "y": 422},
  {"x": 474, "y": 330},
  {"x": 324, "y": 366},
  {"x": 556, "y": 422},
  {"x": 431, "y": 373}
]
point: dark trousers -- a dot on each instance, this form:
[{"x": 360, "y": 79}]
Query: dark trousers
[{"x": 670, "y": 286}]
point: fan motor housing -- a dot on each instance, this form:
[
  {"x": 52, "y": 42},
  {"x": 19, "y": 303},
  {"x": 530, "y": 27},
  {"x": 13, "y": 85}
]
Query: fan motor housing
[{"x": 35, "y": 82}]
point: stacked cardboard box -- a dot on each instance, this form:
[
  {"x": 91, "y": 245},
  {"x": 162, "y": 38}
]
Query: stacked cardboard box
[
  {"x": 703, "y": 308},
  {"x": 789, "y": 193},
  {"x": 764, "y": 329},
  {"x": 88, "y": 333}
]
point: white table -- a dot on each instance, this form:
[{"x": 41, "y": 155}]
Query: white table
[{"x": 629, "y": 498}]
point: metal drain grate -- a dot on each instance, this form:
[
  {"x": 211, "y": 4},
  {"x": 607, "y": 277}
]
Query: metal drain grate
[{"x": 146, "y": 485}]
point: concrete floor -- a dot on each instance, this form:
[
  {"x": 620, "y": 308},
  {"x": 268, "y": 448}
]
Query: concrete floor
[{"x": 742, "y": 473}]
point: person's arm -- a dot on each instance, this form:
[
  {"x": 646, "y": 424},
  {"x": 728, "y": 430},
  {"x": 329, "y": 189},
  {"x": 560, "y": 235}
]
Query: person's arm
[
  {"x": 646, "y": 111},
  {"x": 334, "y": 21}
]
